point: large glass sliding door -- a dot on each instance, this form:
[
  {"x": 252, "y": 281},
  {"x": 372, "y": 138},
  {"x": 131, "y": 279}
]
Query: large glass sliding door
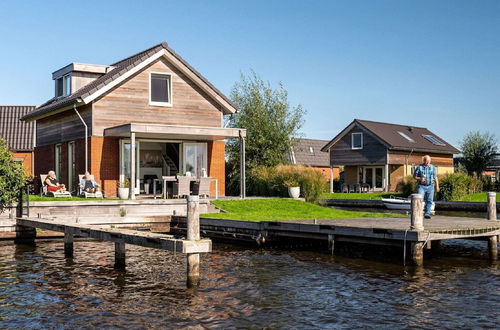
[
  {"x": 125, "y": 162},
  {"x": 374, "y": 176},
  {"x": 195, "y": 158}
]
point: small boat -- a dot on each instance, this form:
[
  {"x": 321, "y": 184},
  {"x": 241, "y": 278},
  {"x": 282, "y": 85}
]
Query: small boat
[{"x": 399, "y": 203}]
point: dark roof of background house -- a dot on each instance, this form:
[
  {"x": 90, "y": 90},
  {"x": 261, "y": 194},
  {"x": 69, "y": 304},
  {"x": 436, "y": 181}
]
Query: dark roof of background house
[
  {"x": 389, "y": 134},
  {"x": 119, "y": 69},
  {"x": 19, "y": 134},
  {"x": 304, "y": 156}
]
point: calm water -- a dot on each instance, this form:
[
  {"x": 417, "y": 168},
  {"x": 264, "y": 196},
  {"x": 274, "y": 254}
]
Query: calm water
[{"x": 243, "y": 288}]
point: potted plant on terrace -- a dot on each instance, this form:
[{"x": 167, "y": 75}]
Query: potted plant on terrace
[
  {"x": 293, "y": 187},
  {"x": 124, "y": 189}
]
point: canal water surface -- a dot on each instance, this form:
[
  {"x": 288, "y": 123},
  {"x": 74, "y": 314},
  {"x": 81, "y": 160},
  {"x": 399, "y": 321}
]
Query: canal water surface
[{"x": 244, "y": 288}]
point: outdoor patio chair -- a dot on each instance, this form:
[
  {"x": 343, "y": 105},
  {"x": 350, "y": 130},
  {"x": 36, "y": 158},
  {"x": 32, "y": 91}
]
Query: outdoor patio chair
[
  {"x": 344, "y": 188},
  {"x": 45, "y": 192},
  {"x": 182, "y": 186},
  {"x": 202, "y": 187},
  {"x": 97, "y": 194}
]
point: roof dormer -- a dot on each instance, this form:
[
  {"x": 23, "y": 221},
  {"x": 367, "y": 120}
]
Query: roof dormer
[{"x": 74, "y": 76}]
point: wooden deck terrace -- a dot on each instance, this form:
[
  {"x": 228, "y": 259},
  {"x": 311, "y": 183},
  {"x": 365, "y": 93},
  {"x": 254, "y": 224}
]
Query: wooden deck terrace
[{"x": 377, "y": 231}]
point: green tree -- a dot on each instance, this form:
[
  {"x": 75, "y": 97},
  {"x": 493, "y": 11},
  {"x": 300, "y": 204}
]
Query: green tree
[
  {"x": 12, "y": 177},
  {"x": 478, "y": 150},
  {"x": 272, "y": 126}
]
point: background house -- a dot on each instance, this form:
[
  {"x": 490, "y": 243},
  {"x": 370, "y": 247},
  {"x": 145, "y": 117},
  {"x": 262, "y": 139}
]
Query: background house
[
  {"x": 148, "y": 115},
  {"x": 381, "y": 154},
  {"x": 19, "y": 135},
  {"x": 308, "y": 152}
]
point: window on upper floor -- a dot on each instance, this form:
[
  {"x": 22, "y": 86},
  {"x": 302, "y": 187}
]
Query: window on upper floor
[
  {"x": 357, "y": 141},
  {"x": 63, "y": 86},
  {"x": 160, "y": 89}
]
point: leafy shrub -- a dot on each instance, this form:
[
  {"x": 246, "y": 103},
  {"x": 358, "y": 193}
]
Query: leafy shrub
[
  {"x": 273, "y": 181},
  {"x": 407, "y": 185},
  {"x": 455, "y": 186},
  {"x": 12, "y": 177}
]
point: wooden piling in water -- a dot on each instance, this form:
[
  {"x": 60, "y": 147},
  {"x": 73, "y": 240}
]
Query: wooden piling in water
[
  {"x": 492, "y": 206},
  {"x": 68, "y": 243},
  {"x": 119, "y": 255},
  {"x": 193, "y": 234},
  {"x": 493, "y": 248}
]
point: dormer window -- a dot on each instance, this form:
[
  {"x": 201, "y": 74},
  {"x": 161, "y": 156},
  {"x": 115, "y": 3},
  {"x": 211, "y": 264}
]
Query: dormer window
[
  {"x": 63, "y": 86},
  {"x": 357, "y": 140},
  {"x": 160, "y": 89}
]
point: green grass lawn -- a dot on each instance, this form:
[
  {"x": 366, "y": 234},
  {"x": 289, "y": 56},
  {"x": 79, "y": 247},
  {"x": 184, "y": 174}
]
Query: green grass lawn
[
  {"x": 478, "y": 197},
  {"x": 370, "y": 196},
  {"x": 282, "y": 209}
]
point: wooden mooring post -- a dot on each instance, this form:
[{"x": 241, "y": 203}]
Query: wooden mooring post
[
  {"x": 492, "y": 206},
  {"x": 492, "y": 215},
  {"x": 193, "y": 234},
  {"x": 417, "y": 223}
]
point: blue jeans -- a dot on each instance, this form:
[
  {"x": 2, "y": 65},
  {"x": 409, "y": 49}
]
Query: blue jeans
[{"x": 428, "y": 193}]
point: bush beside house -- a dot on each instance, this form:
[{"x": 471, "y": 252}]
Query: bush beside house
[{"x": 272, "y": 181}]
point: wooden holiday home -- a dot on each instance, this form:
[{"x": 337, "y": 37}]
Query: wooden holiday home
[
  {"x": 146, "y": 116},
  {"x": 381, "y": 154}
]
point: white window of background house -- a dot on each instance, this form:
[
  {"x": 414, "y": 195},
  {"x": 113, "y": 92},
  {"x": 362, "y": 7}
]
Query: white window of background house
[
  {"x": 160, "y": 86},
  {"x": 357, "y": 140}
]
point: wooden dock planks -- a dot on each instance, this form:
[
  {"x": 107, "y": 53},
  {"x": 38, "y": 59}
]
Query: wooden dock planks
[{"x": 127, "y": 236}]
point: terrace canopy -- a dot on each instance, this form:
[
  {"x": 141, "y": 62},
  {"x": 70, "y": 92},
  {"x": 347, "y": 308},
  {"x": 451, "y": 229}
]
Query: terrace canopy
[{"x": 157, "y": 131}]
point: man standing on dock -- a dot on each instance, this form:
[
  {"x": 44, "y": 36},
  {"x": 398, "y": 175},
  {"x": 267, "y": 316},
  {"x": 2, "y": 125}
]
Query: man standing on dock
[{"x": 425, "y": 174}]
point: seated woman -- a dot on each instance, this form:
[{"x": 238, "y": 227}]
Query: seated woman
[
  {"x": 88, "y": 184},
  {"x": 52, "y": 184}
]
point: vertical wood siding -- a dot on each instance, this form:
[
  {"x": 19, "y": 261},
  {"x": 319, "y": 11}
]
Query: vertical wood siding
[{"x": 129, "y": 102}]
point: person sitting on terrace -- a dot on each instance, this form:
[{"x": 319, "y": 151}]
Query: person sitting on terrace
[
  {"x": 52, "y": 184},
  {"x": 88, "y": 184}
]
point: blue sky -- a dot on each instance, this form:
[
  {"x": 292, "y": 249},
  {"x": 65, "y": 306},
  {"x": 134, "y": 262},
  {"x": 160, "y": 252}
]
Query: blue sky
[{"x": 425, "y": 63}]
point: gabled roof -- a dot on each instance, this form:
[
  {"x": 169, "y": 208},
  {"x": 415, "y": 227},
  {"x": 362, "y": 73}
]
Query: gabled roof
[
  {"x": 18, "y": 134},
  {"x": 308, "y": 152},
  {"x": 121, "y": 71},
  {"x": 399, "y": 137}
]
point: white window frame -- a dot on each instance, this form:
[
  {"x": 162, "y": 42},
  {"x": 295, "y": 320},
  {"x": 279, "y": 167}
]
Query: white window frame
[
  {"x": 161, "y": 104},
  {"x": 352, "y": 141}
]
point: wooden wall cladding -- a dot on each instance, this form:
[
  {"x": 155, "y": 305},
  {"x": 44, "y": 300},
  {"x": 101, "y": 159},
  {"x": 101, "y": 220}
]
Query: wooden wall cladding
[
  {"x": 129, "y": 102},
  {"x": 63, "y": 127}
]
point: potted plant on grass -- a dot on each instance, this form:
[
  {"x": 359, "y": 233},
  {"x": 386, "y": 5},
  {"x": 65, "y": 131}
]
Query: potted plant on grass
[
  {"x": 124, "y": 189},
  {"x": 293, "y": 187}
]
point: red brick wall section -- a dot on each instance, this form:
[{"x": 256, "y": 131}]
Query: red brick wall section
[
  {"x": 105, "y": 163},
  {"x": 27, "y": 158},
  {"x": 217, "y": 166},
  {"x": 326, "y": 172}
]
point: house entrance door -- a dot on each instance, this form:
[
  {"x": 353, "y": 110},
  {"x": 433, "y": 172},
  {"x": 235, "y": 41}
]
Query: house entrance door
[{"x": 125, "y": 162}]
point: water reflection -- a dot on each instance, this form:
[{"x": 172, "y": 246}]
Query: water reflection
[{"x": 243, "y": 287}]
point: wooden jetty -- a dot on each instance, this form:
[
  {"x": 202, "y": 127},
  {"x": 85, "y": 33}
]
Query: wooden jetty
[
  {"x": 192, "y": 245},
  {"x": 416, "y": 234}
]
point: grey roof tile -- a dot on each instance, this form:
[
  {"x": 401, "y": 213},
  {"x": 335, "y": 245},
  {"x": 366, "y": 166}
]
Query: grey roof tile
[{"x": 18, "y": 134}]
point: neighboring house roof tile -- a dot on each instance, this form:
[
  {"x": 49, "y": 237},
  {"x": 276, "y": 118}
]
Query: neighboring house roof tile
[
  {"x": 119, "y": 68},
  {"x": 396, "y": 137},
  {"x": 308, "y": 152},
  {"x": 19, "y": 135}
]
